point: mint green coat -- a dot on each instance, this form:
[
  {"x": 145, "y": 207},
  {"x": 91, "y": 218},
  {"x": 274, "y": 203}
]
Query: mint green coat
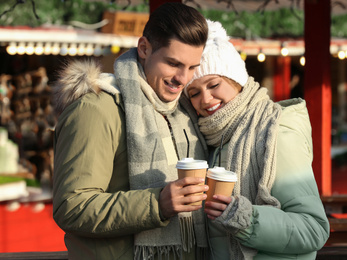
[{"x": 300, "y": 227}]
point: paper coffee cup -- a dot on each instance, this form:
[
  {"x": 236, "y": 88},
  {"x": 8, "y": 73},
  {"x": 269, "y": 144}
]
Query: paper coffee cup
[
  {"x": 189, "y": 167},
  {"x": 220, "y": 182}
]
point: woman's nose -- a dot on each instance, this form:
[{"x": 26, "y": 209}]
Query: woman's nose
[{"x": 206, "y": 97}]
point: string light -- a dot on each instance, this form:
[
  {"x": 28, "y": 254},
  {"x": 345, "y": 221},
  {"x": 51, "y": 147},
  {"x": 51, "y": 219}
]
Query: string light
[
  {"x": 81, "y": 49},
  {"x": 89, "y": 50},
  {"x": 115, "y": 49},
  {"x": 72, "y": 50},
  {"x": 284, "y": 50},
  {"x": 63, "y": 50},
  {"x": 38, "y": 50},
  {"x": 55, "y": 49},
  {"x": 261, "y": 56},
  {"x": 21, "y": 49},
  {"x": 47, "y": 49},
  {"x": 11, "y": 49},
  {"x": 106, "y": 51},
  {"x": 97, "y": 51},
  {"x": 341, "y": 54},
  {"x": 29, "y": 49},
  {"x": 302, "y": 60}
]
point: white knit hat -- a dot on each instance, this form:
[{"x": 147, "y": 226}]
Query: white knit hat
[{"x": 220, "y": 57}]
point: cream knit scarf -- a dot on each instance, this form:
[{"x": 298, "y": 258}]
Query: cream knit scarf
[
  {"x": 152, "y": 156},
  {"x": 249, "y": 124}
]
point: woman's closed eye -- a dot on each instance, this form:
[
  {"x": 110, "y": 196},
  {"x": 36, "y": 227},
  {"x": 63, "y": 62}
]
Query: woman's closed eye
[{"x": 214, "y": 85}]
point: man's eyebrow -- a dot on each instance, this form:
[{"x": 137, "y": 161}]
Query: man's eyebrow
[
  {"x": 173, "y": 60},
  {"x": 179, "y": 62},
  {"x": 196, "y": 65}
]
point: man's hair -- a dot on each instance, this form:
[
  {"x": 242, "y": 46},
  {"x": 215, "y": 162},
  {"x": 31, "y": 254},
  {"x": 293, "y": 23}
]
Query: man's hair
[{"x": 175, "y": 20}]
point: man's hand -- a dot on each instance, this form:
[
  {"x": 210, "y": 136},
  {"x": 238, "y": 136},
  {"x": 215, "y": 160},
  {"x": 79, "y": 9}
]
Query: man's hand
[
  {"x": 214, "y": 209},
  {"x": 173, "y": 198}
]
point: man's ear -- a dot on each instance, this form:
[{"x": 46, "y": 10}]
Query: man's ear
[{"x": 144, "y": 48}]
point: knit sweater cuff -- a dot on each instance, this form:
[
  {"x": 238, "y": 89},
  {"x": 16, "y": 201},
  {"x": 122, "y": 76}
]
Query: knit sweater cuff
[{"x": 237, "y": 216}]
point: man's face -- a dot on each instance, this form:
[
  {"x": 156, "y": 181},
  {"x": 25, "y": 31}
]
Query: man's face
[{"x": 170, "y": 68}]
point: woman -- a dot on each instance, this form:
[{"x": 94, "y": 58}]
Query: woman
[{"x": 275, "y": 211}]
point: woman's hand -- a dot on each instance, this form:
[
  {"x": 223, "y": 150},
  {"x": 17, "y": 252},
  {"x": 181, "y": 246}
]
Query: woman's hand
[{"x": 215, "y": 208}]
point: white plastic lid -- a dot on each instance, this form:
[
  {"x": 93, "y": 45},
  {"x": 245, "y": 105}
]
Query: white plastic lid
[
  {"x": 190, "y": 164},
  {"x": 221, "y": 174}
]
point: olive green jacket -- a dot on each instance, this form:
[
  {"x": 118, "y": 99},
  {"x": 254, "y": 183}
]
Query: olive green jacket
[
  {"x": 92, "y": 201},
  {"x": 91, "y": 182}
]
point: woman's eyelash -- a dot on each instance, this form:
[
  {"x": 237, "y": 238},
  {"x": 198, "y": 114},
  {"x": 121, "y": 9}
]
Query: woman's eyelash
[{"x": 193, "y": 95}]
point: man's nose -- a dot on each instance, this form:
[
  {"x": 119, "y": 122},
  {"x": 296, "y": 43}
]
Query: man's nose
[{"x": 183, "y": 76}]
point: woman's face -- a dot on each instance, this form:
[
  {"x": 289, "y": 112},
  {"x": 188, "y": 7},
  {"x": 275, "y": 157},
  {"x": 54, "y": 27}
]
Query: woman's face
[{"x": 210, "y": 93}]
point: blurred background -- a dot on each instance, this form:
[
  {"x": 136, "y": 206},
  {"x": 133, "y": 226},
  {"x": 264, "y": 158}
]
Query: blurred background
[{"x": 38, "y": 37}]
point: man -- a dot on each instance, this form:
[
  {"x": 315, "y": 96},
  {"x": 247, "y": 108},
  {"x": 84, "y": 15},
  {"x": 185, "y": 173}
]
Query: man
[{"x": 117, "y": 141}]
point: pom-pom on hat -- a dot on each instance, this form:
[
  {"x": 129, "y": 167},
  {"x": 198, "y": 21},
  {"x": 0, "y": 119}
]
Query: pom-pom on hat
[{"x": 220, "y": 57}]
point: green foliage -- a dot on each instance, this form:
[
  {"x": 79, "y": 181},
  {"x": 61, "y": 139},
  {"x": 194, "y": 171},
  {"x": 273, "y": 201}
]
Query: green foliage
[
  {"x": 58, "y": 12},
  {"x": 339, "y": 26},
  {"x": 282, "y": 22},
  {"x": 268, "y": 24}
]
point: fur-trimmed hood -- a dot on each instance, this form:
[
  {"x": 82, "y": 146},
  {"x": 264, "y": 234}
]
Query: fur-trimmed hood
[{"x": 78, "y": 78}]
